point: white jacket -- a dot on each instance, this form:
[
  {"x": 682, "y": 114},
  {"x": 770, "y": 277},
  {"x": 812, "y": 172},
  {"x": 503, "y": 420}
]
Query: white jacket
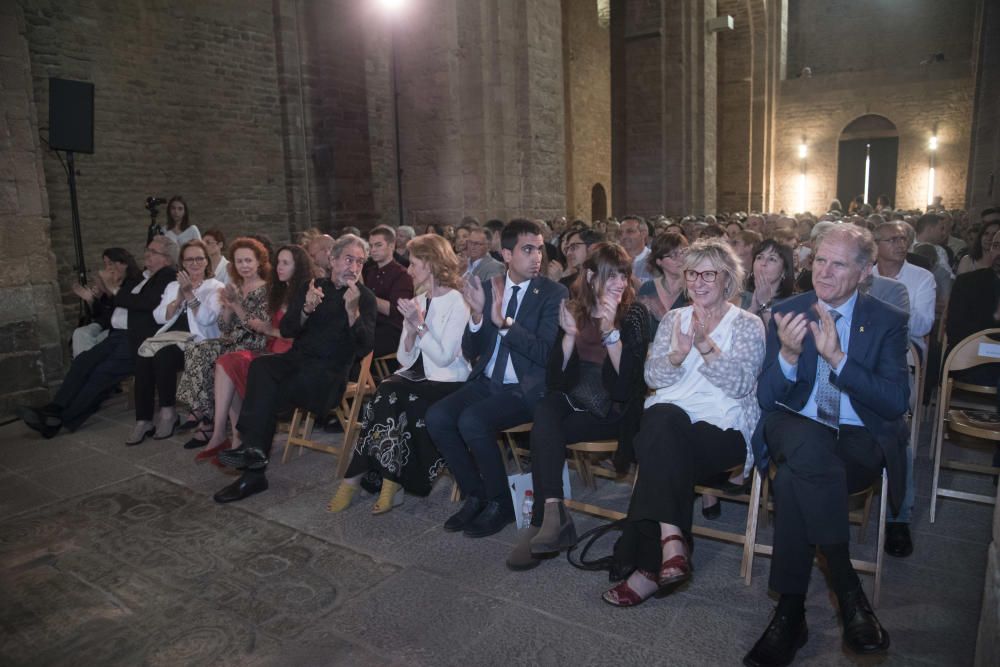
[
  {"x": 441, "y": 346},
  {"x": 204, "y": 325}
]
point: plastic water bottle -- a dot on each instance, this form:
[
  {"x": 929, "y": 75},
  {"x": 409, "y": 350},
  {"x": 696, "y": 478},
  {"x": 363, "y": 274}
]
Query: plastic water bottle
[{"x": 529, "y": 503}]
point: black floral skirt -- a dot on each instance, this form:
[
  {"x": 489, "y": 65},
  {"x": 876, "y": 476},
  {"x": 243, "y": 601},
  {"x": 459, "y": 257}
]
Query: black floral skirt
[{"x": 394, "y": 442}]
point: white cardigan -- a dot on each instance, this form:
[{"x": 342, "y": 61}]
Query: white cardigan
[
  {"x": 442, "y": 344},
  {"x": 205, "y": 324}
]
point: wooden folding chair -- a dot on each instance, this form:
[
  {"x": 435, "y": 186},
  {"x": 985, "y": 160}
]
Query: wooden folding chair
[
  {"x": 976, "y": 350},
  {"x": 507, "y": 442},
  {"x": 919, "y": 370},
  {"x": 873, "y": 567},
  {"x": 380, "y": 367},
  {"x": 347, "y": 413},
  {"x": 582, "y": 458}
]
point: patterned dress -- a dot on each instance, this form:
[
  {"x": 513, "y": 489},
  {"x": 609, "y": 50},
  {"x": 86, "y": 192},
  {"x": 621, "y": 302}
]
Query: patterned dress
[{"x": 197, "y": 385}]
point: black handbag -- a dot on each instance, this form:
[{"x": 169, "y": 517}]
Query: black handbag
[{"x": 589, "y": 393}]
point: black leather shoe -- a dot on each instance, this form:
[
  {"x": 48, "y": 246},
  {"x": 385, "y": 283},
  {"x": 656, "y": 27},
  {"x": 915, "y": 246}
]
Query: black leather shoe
[
  {"x": 244, "y": 487},
  {"x": 44, "y": 422},
  {"x": 243, "y": 458},
  {"x": 712, "y": 512},
  {"x": 463, "y": 517},
  {"x": 777, "y": 646},
  {"x": 863, "y": 634},
  {"x": 495, "y": 515},
  {"x": 897, "y": 539}
]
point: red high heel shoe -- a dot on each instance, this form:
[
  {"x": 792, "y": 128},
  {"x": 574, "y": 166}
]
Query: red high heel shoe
[
  {"x": 210, "y": 453},
  {"x": 680, "y": 565}
]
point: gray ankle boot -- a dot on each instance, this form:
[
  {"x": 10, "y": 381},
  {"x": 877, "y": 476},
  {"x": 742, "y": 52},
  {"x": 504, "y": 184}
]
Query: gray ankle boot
[
  {"x": 557, "y": 531},
  {"x": 520, "y": 558}
]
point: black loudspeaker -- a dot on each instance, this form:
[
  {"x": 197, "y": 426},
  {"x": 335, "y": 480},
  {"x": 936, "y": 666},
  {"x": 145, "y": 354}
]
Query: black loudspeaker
[{"x": 71, "y": 115}]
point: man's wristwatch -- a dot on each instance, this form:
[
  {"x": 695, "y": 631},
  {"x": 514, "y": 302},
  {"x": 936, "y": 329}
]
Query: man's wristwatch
[{"x": 508, "y": 322}]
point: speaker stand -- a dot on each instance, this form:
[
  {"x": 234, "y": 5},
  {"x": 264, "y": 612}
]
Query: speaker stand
[{"x": 81, "y": 267}]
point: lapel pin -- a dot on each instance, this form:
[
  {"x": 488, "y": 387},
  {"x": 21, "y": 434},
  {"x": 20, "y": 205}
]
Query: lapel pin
[
  {"x": 861, "y": 329},
  {"x": 534, "y": 290}
]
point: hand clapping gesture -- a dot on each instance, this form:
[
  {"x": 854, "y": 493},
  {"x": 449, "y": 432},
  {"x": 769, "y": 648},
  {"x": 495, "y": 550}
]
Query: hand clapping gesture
[
  {"x": 827, "y": 339},
  {"x": 791, "y": 332},
  {"x": 567, "y": 321},
  {"x": 474, "y": 296},
  {"x": 680, "y": 343},
  {"x": 411, "y": 312},
  {"x": 496, "y": 313},
  {"x": 185, "y": 287}
]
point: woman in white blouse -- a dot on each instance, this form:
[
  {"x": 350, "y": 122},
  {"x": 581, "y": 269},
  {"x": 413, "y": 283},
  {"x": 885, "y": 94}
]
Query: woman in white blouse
[
  {"x": 190, "y": 305},
  {"x": 394, "y": 440},
  {"x": 703, "y": 367}
]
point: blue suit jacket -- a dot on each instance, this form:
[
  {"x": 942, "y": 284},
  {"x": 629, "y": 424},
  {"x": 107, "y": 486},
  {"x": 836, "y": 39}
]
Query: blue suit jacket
[
  {"x": 875, "y": 378},
  {"x": 530, "y": 339}
]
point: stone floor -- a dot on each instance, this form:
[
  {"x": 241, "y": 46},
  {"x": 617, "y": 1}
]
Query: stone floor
[{"x": 118, "y": 556}]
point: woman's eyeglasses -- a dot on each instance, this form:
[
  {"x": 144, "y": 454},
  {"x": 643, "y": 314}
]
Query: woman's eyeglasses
[{"x": 708, "y": 276}]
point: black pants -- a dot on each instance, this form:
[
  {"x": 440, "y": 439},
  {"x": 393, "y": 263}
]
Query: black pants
[
  {"x": 386, "y": 339},
  {"x": 92, "y": 376},
  {"x": 556, "y": 425},
  {"x": 157, "y": 375},
  {"x": 817, "y": 469},
  {"x": 464, "y": 427},
  {"x": 674, "y": 455}
]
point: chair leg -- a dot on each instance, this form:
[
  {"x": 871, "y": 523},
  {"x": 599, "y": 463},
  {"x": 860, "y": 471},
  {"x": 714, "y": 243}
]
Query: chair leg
[
  {"x": 866, "y": 513},
  {"x": 750, "y": 537},
  {"x": 293, "y": 433},
  {"x": 765, "y": 514},
  {"x": 880, "y": 547},
  {"x": 937, "y": 445}
]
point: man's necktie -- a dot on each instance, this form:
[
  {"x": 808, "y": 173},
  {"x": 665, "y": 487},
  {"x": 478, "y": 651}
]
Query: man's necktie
[
  {"x": 827, "y": 395},
  {"x": 503, "y": 354}
]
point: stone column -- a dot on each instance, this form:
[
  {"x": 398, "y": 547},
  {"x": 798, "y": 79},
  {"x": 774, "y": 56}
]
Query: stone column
[
  {"x": 31, "y": 343},
  {"x": 664, "y": 82}
]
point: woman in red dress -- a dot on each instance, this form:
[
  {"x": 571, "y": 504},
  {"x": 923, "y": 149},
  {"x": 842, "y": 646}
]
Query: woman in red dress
[{"x": 292, "y": 270}]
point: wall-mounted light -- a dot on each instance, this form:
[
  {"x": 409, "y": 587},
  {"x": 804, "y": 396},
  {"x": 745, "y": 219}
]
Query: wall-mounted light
[
  {"x": 932, "y": 147},
  {"x": 868, "y": 168},
  {"x": 803, "y": 151}
]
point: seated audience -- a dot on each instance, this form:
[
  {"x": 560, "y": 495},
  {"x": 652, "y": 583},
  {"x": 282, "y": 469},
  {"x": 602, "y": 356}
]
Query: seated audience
[
  {"x": 772, "y": 279},
  {"x": 481, "y": 265},
  {"x": 931, "y": 228},
  {"x": 394, "y": 441},
  {"x": 845, "y": 398},
  {"x": 291, "y": 272},
  {"x": 319, "y": 248},
  {"x": 94, "y": 374},
  {"x": 189, "y": 310},
  {"x": 743, "y": 245},
  {"x": 404, "y": 234},
  {"x": 215, "y": 242},
  {"x": 979, "y": 254},
  {"x": 920, "y": 285},
  {"x": 99, "y": 297},
  {"x": 242, "y": 323},
  {"x": 387, "y": 278},
  {"x": 595, "y": 391},
  {"x": 576, "y": 245},
  {"x": 667, "y": 290},
  {"x": 703, "y": 367},
  {"x": 513, "y": 326},
  {"x": 333, "y": 323}
]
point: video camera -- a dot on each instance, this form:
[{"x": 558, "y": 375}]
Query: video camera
[{"x": 151, "y": 206}]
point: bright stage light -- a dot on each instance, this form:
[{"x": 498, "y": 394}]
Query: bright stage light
[
  {"x": 933, "y": 143},
  {"x": 803, "y": 150},
  {"x": 391, "y": 6}
]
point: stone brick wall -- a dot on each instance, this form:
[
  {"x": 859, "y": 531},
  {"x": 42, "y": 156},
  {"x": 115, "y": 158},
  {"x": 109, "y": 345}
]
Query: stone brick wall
[
  {"x": 818, "y": 109},
  {"x": 31, "y": 349},
  {"x": 735, "y": 102},
  {"x": 186, "y": 102},
  {"x": 984, "y": 163},
  {"x": 865, "y": 58},
  {"x": 587, "y": 72}
]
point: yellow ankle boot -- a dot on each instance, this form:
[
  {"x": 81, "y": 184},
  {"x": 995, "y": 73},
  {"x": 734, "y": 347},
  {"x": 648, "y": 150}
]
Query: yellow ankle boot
[{"x": 342, "y": 498}]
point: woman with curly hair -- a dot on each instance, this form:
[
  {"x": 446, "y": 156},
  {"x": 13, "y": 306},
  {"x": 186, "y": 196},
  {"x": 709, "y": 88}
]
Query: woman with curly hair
[
  {"x": 244, "y": 312},
  {"x": 292, "y": 270},
  {"x": 394, "y": 440},
  {"x": 594, "y": 390}
]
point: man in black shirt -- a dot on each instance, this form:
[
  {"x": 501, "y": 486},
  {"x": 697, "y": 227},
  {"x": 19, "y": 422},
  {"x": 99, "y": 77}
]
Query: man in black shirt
[{"x": 333, "y": 323}]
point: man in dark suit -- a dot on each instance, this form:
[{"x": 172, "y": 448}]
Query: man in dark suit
[
  {"x": 95, "y": 373},
  {"x": 833, "y": 391},
  {"x": 514, "y": 324},
  {"x": 333, "y": 323}
]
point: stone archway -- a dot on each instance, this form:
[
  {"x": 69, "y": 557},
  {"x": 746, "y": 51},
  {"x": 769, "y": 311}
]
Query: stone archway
[
  {"x": 598, "y": 203},
  {"x": 877, "y": 138}
]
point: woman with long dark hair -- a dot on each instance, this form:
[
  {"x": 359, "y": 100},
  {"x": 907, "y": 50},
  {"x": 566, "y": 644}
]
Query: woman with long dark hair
[
  {"x": 292, "y": 270},
  {"x": 179, "y": 226},
  {"x": 772, "y": 278},
  {"x": 979, "y": 255},
  {"x": 595, "y": 390}
]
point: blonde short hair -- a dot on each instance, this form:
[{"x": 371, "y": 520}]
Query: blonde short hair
[{"x": 721, "y": 256}]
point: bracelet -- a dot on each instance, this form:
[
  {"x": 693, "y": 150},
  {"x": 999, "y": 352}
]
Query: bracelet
[{"x": 193, "y": 303}]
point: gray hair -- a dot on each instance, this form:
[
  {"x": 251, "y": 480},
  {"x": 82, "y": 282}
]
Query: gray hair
[
  {"x": 859, "y": 236},
  {"x": 406, "y": 230},
  {"x": 720, "y": 254},
  {"x": 346, "y": 241},
  {"x": 168, "y": 247}
]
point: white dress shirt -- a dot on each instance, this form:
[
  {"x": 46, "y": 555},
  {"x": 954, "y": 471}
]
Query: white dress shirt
[{"x": 922, "y": 290}]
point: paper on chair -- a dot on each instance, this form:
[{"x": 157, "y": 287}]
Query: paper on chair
[{"x": 989, "y": 350}]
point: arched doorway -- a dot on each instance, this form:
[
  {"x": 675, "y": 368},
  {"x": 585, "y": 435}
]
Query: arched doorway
[
  {"x": 598, "y": 202},
  {"x": 873, "y": 137}
]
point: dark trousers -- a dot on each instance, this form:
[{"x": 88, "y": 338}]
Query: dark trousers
[
  {"x": 157, "y": 375},
  {"x": 92, "y": 376},
  {"x": 673, "y": 455},
  {"x": 271, "y": 384},
  {"x": 557, "y": 424},
  {"x": 464, "y": 428},
  {"x": 386, "y": 339},
  {"x": 817, "y": 469}
]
